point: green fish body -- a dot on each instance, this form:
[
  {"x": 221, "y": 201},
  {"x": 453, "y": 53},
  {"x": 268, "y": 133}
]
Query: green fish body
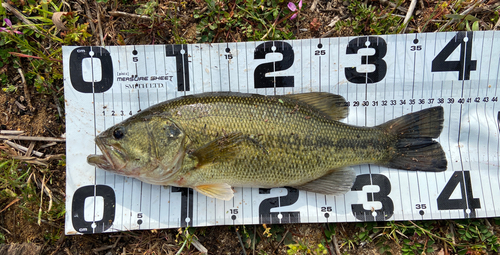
[{"x": 214, "y": 141}]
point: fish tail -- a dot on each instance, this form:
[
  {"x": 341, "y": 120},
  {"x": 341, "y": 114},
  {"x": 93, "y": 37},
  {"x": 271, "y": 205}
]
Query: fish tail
[{"x": 415, "y": 148}]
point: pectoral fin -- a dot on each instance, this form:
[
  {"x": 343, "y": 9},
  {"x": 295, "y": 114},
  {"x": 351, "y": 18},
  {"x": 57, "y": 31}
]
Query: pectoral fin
[
  {"x": 220, "y": 191},
  {"x": 336, "y": 183},
  {"x": 222, "y": 148}
]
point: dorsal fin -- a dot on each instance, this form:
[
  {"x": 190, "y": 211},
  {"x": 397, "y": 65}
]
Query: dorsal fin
[{"x": 331, "y": 105}]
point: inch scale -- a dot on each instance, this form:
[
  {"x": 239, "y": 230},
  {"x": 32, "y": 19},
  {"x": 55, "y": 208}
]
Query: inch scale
[{"x": 381, "y": 78}]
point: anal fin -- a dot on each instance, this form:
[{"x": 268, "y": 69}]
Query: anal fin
[
  {"x": 338, "y": 182},
  {"x": 221, "y": 191}
]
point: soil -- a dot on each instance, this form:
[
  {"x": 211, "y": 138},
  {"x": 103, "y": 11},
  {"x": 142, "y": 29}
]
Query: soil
[{"x": 37, "y": 115}]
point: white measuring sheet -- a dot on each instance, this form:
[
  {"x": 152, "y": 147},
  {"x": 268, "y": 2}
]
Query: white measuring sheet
[{"x": 381, "y": 78}]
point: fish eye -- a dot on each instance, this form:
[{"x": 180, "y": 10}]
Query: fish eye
[{"x": 118, "y": 133}]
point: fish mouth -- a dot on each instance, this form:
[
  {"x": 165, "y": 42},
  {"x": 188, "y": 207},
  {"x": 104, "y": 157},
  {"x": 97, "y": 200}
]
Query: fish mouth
[{"x": 113, "y": 158}]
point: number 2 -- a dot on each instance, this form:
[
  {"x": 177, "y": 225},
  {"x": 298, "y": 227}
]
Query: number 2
[{"x": 260, "y": 79}]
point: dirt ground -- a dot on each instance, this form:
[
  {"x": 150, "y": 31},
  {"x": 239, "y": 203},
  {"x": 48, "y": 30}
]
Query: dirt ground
[{"x": 37, "y": 115}]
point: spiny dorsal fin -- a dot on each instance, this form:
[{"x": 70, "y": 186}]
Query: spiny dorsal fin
[
  {"x": 222, "y": 148},
  {"x": 336, "y": 183},
  {"x": 331, "y": 105}
]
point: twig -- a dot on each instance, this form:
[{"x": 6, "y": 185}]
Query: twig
[
  {"x": 128, "y": 15},
  {"x": 409, "y": 14},
  {"x": 335, "y": 243},
  {"x": 41, "y": 203},
  {"x": 59, "y": 242},
  {"x": 199, "y": 246},
  {"x": 59, "y": 109},
  {"x": 68, "y": 251},
  {"x": 400, "y": 8},
  {"x": 241, "y": 242},
  {"x": 21, "y": 55},
  {"x": 23, "y": 149},
  {"x": 99, "y": 23},
  {"x": 103, "y": 248},
  {"x": 11, "y": 203},
  {"x": 6, "y": 230},
  {"x": 48, "y": 145},
  {"x": 32, "y": 138},
  {"x": 282, "y": 239},
  {"x": 26, "y": 91},
  {"x": 20, "y": 16},
  {"x": 30, "y": 24},
  {"x": 313, "y": 5},
  {"x": 45, "y": 190},
  {"x": 253, "y": 242},
  {"x": 332, "y": 24},
  {"x": 22, "y": 107},
  {"x": 11, "y": 132},
  {"x": 30, "y": 149},
  {"x": 452, "y": 230},
  {"x": 88, "y": 14}
]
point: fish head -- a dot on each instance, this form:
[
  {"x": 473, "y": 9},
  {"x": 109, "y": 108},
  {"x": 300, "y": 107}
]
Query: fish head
[{"x": 148, "y": 148}]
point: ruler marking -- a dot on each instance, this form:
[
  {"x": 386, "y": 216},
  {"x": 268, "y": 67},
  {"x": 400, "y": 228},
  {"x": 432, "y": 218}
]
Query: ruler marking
[
  {"x": 95, "y": 131},
  {"x": 472, "y": 211},
  {"x": 413, "y": 96},
  {"x": 479, "y": 129},
  {"x": 229, "y": 76},
  {"x": 219, "y": 67},
  {"x": 498, "y": 116},
  {"x": 274, "y": 70},
  {"x": 429, "y": 205},
  {"x": 319, "y": 66},
  {"x": 393, "y": 115}
]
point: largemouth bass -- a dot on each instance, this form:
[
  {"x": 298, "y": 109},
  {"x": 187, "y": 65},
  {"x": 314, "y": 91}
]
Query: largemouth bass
[{"x": 212, "y": 142}]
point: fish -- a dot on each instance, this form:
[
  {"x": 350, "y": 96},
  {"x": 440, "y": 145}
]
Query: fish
[{"x": 215, "y": 141}]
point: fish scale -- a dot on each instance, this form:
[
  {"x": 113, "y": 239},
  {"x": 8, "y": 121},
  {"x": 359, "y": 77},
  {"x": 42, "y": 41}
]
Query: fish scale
[{"x": 306, "y": 161}]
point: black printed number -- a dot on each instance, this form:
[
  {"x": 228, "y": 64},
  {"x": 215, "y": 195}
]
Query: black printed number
[
  {"x": 416, "y": 47},
  {"x": 268, "y": 217},
  {"x": 464, "y": 65},
  {"x": 319, "y": 52},
  {"x": 326, "y": 209},
  {"x": 467, "y": 200},
  {"x": 421, "y": 206},
  {"x": 180, "y": 52},
  {"x": 78, "y": 209},
  {"x": 260, "y": 79},
  {"x": 387, "y": 209},
  {"x": 380, "y": 47},
  {"x": 75, "y": 69}
]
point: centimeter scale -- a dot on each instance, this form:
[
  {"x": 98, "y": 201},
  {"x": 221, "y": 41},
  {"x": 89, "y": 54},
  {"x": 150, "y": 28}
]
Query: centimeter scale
[{"x": 381, "y": 78}]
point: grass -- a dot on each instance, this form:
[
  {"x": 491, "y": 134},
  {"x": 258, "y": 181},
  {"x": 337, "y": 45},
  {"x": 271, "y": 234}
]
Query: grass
[
  {"x": 252, "y": 20},
  {"x": 36, "y": 51},
  {"x": 20, "y": 191}
]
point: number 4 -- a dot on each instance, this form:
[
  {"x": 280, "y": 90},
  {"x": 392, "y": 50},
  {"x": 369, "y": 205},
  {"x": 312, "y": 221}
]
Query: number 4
[
  {"x": 464, "y": 65},
  {"x": 467, "y": 200}
]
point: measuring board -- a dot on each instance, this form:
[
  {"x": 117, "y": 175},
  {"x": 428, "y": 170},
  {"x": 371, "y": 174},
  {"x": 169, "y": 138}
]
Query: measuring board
[{"x": 381, "y": 78}]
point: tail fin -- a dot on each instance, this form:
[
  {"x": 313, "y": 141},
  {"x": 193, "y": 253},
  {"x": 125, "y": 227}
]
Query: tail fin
[{"x": 415, "y": 149}]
